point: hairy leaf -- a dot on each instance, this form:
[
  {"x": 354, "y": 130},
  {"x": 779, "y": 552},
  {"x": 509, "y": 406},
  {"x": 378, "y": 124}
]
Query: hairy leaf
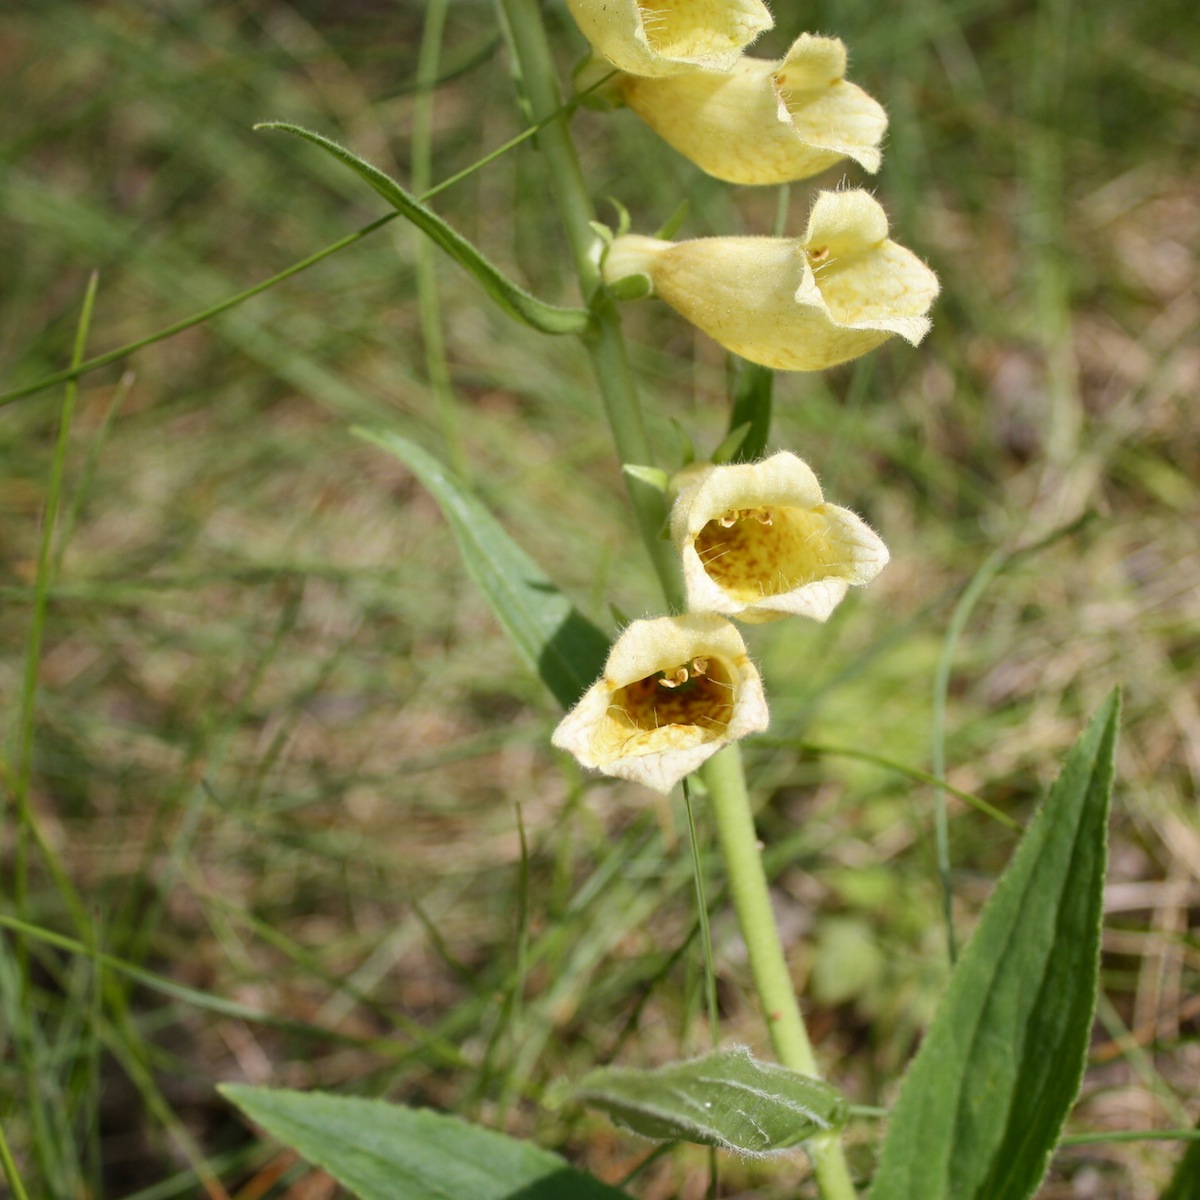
[
  {"x": 386, "y": 1152},
  {"x": 725, "y": 1099},
  {"x": 515, "y": 301},
  {"x": 555, "y": 638},
  {"x": 984, "y": 1102}
]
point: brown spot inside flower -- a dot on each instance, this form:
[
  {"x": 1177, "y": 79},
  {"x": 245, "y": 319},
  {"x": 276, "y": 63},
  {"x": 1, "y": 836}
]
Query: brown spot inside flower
[
  {"x": 697, "y": 694},
  {"x": 768, "y": 550}
]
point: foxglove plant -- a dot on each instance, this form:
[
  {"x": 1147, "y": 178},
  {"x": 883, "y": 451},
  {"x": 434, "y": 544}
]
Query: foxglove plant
[{"x": 985, "y": 1101}]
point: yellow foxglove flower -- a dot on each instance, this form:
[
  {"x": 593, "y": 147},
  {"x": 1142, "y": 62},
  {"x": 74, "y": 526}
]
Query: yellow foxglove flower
[
  {"x": 674, "y": 691},
  {"x": 763, "y": 121},
  {"x": 661, "y": 37},
  {"x": 758, "y": 542},
  {"x": 794, "y": 304}
]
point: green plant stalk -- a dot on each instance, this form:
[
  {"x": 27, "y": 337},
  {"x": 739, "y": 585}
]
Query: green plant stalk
[
  {"x": 603, "y": 340},
  {"x": 723, "y": 774},
  {"x": 436, "y": 366},
  {"x": 730, "y": 803}
]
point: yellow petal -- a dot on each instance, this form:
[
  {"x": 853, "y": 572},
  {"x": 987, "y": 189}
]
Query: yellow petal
[
  {"x": 792, "y": 304},
  {"x": 764, "y": 122},
  {"x": 661, "y": 37},
  {"x": 759, "y": 542},
  {"x": 674, "y": 691}
]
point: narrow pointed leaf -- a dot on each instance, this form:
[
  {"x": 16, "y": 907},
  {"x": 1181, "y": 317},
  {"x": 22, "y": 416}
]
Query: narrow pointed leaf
[
  {"x": 555, "y": 638},
  {"x": 386, "y": 1152},
  {"x": 725, "y": 1099},
  {"x": 984, "y": 1102},
  {"x": 515, "y": 301}
]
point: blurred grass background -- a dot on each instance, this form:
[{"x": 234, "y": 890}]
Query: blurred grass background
[{"x": 280, "y": 742}]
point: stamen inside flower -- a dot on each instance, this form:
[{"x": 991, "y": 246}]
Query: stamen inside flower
[
  {"x": 766, "y": 551},
  {"x": 689, "y": 703}
]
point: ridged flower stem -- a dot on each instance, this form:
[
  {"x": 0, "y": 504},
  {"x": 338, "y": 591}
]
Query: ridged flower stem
[
  {"x": 723, "y": 773},
  {"x": 729, "y": 800},
  {"x": 603, "y": 340}
]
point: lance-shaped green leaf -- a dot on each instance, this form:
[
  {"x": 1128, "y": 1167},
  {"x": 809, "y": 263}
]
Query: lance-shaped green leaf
[
  {"x": 984, "y": 1102},
  {"x": 555, "y": 638},
  {"x": 725, "y": 1099},
  {"x": 386, "y": 1152},
  {"x": 515, "y": 300}
]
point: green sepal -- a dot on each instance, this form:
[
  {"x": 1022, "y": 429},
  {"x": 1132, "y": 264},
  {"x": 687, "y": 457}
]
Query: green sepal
[
  {"x": 751, "y": 388},
  {"x": 731, "y": 444},
  {"x": 672, "y": 225},
  {"x": 687, "y": 448},
  {"x": 631, "y": 287},
  {"x": 512, "y": 298},
  {"x": 656, "y": 477}
]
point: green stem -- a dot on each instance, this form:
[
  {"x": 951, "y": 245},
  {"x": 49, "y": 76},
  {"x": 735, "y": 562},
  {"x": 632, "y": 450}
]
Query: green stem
[
  {"x": 723, "y": 773},
  {"x": 734, "y": 818},
  {"x": 604, "y": 343}
]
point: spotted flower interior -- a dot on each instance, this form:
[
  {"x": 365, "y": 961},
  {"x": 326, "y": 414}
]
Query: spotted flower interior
[
  {"x": 684, "y": 705},
  {"x": 768, "y": 550}
]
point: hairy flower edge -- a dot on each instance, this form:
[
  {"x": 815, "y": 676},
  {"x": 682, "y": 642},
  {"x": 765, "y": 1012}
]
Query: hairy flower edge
[
  {"x": 758, "y": 542},
  {"x": 663, "y": 37},
  {"x": 674, "y": 691},
  {"x": 762, "y": 121}
]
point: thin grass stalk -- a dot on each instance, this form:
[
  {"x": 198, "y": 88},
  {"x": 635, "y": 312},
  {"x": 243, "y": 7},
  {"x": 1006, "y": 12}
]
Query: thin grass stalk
[{"x": 428, "y": 308}]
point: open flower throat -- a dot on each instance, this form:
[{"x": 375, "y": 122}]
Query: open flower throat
[
  {"x": 674, "y": 691},
  {"x": 698, "y": 693},
  {"x": 766, "y": 551}
]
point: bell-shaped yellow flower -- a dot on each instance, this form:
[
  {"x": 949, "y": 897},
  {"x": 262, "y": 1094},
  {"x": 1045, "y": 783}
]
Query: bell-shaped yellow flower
[
  {"x": 794, "y": 304},
  {"x": 674, "y": 691},
  {"x": 758, "y": 542},
  {"x": 762, "y": 121},
  {"x": 661, "y": 37}
]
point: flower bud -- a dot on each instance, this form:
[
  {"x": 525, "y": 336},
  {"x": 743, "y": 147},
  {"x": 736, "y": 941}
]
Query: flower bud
[
  {"x": 794, "y": 304},
  {"x": 674, "y": 691},
  {"x": 758, "y": 542},
  {"x": 661, "y": 37},
  {"x": 765, "y": 122}
]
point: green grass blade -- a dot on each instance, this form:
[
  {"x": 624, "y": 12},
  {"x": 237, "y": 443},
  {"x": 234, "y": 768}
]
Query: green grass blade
[
  {"x": 10, "y": 1169},
  {"x": 984, "y": 1102},
  {"x": 555, "y": 638},
  {"x": 382, "y": 1151},
  {"x": 518, "y": 303}
]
